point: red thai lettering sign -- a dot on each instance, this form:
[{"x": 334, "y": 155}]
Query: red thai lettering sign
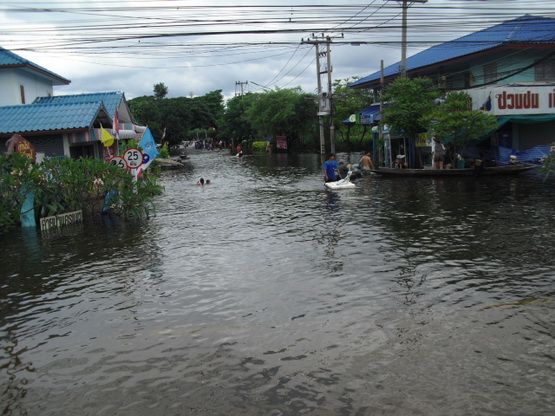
[
  {"x": 517, "y": 99},
  {"x": 18, "y": 144}
]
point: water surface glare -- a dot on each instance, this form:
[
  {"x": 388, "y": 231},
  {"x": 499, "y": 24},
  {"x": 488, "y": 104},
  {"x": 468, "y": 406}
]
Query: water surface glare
[{"x": 264, "y": 294}]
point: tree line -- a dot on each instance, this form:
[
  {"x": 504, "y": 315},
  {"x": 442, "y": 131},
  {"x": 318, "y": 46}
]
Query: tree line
[{"x": 411, "y": 108}]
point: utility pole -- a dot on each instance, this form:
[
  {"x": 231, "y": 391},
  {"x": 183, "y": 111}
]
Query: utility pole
[
  {"x": 239, "y": 92},
  {"x": 404, "y": 27},
  {"x": 240, "y": 87},
  {"x": 320, "y": 112},
  {"x": 325, "y": 99}
]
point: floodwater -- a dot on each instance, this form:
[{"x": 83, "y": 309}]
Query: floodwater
[{"x": 264, "y": 294}]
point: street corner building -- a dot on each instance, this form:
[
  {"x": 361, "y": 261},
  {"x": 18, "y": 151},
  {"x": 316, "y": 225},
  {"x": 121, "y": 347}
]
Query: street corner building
[{"x": 508, "y": 70}]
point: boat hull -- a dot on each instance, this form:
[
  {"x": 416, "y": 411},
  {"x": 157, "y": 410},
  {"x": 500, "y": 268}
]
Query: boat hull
[{"x": 489, "y": 171}]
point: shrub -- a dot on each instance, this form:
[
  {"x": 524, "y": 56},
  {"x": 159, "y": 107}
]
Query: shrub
[
  {"x": 62, "y": 185},
  {"x": 259, "y": 146}
]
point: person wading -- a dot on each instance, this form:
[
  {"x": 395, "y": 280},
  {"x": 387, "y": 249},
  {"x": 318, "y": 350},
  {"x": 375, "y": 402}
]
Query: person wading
[{"x": 331, "y": 169}]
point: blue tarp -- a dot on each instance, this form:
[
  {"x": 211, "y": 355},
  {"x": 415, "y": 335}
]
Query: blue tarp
[{"x": 531, "y": 155}]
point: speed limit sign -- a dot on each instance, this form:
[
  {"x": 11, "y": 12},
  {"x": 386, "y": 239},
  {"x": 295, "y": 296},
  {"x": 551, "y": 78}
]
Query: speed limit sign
[
  {"x": 133, "y": 157},
  {"x": 119, "y": 162}
]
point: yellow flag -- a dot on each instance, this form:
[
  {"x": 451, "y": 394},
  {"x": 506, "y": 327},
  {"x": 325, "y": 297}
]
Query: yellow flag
[{"x": 106, "y": 138}]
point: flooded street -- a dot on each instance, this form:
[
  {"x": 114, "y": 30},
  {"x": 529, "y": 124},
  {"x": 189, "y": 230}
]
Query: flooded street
[{"x": 264, "y": 294}]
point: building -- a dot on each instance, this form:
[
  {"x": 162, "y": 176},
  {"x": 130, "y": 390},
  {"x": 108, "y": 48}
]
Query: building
[
  {"x": 508, "y": 70},
  {"x": 22, "y": 81},
  {"x": 58, "y": 126}
]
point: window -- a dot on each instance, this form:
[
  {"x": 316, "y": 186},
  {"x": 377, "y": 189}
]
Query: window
[
  {"x": 490, "y": 72},
  {"x": 545, "y": 71},
  {"x": 22, "y": 91}
]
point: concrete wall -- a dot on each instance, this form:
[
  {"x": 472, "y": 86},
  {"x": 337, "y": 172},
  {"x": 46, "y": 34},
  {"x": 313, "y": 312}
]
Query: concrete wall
[{"x": 12, "y": 79}]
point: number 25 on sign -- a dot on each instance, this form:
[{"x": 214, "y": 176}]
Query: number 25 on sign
[{"x": 133, "y": 157}]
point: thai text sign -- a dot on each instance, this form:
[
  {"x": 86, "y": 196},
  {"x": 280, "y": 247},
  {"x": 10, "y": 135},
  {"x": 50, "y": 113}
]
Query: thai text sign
[
  {"x": 19, "y": 144},
  {"x": 514, "y": 100},
  {"x": 57, "y": 221}
]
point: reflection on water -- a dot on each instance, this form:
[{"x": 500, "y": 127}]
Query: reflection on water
[{"x": 265, "y": 294}]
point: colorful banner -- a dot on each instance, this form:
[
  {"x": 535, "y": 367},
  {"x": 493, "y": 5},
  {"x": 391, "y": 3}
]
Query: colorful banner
[
  {"x": 281, "y": 142},
  {"x": 150, "y": 152}
]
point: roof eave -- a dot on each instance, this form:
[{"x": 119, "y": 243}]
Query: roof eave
[{"x": 57, "y": 78}]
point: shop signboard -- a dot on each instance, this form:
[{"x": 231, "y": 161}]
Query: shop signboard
[{"x": 514, "y": 99}]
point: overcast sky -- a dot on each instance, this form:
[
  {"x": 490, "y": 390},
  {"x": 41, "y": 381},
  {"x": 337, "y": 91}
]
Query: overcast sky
[{"x": 199, "y": 46}]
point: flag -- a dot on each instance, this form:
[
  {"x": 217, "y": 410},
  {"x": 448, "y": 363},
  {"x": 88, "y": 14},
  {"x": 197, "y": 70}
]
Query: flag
[
  {"x": 115, "y": 125},
  {"x": 106, "y": 138},
  {"x": 150, "y": 152}
]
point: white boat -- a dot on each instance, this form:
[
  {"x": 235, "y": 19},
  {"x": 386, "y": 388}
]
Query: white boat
[{"x": 344, "y": 183}]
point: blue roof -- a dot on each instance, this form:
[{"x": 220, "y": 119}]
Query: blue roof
[
  {"x": 525, "y": 29},
  {"x": 111, "y": 100},
  {"x": 10, "y": 60},
  {"x": 46, "y": 117}
]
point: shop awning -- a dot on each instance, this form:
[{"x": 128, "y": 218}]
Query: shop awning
[
  {"x": 529, "y": 119},
  {"x": 370, "y": 115},
  {"x": 367, "y": 116}
]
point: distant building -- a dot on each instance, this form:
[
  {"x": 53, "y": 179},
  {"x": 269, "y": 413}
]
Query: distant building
[
  {"x": 22, "y": 81},
  {"x": 508, "y": 69}
]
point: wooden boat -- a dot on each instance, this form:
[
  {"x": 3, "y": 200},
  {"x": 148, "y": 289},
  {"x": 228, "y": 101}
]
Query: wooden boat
[{"x": 487, "y": 171}]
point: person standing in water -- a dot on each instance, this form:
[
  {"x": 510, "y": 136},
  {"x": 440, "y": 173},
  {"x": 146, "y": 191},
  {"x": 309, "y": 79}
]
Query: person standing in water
[
  {"x": 365, "y": 162},
  {"x": 331, "y": 169},
  {"x": 438, "y": 154}
]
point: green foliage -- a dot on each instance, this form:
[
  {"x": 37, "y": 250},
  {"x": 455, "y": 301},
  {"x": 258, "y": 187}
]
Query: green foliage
[
  {"x": 233, "y": 124},
  {"x": 286, "y": 112},
  {"x": 456, "y": 121},
  {"x": 259, "y": 146},
  {"x": 548, "y": 167},
  {"x": 409, "y": 103},
  {"x": 348, "y": 100},
  {"x": 164, "y": 153},
  {"x": 160, "y": 90},
  {"x": 62, "y": 185},
  {"x": 178, "y": 115}
]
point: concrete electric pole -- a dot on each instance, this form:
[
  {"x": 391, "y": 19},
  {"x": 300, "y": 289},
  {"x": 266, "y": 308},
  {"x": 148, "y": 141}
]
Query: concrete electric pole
[
  {"x": 325, "y": 99},
  {"x": 404, "y": 26}
]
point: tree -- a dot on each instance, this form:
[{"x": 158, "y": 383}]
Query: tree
[
  {"x": 160, "y": 90},
  {"x": 349, "y": 101},
  {"x": 409, "y": 103},
  {"x": 289, "y": 112},
  {"x": 178, "y": 115},
  {"x": 454, "y": 120}
]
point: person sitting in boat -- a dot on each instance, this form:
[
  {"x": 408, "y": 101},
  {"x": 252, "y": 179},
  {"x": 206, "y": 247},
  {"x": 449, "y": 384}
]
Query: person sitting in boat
[
  {"x": 438, "y": 153},
  {"x": 400, "y": 162},
  {"x": 365, "y": 162},
  {"x": 513, "y": 160},
  {"x": 200, "y": 182},
  {"x": 331, "y": 169}
]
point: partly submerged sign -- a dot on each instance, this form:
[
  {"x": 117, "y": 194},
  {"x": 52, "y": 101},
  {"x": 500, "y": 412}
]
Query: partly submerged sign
[{"x": 61, "y": 220}]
